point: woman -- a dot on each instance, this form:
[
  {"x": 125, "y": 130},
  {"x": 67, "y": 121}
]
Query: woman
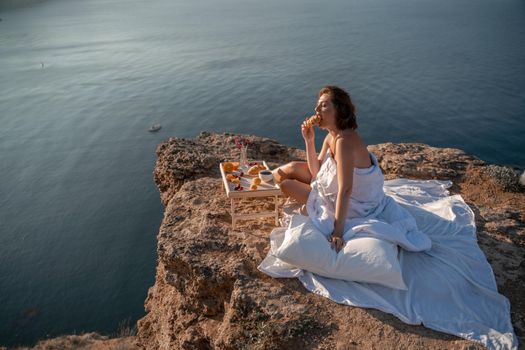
[
  {"x": 344, "y": 197},
  {"x": 343, "y": 146}
]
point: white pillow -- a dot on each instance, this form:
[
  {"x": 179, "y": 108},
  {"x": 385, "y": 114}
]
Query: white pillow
[{"x": 362, "y": 259}]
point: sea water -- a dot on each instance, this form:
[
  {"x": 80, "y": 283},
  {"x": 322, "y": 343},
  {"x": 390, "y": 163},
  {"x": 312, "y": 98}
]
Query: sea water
[{"x": 81, "y": 81}]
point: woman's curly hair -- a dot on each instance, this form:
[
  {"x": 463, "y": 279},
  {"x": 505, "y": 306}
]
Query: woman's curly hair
[{"x": 345, "y": 110}]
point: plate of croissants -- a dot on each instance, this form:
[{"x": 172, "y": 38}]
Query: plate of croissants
[{"x": 250, "y": 172}]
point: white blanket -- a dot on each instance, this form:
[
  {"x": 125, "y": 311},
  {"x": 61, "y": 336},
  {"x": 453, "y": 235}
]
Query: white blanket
[{"x": 451, "y": 286}]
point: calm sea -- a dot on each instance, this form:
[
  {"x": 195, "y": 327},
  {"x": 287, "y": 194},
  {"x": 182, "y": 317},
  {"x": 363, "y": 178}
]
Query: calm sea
[{"x": 82, "y": 80}]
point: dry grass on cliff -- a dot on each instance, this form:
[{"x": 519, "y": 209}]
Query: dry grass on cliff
[
  {"x": 86, "y": 341},
  {"x": 123, "y": 339}
]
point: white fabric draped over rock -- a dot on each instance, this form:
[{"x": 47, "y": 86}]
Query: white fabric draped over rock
[{"x": 451, "y": 285}]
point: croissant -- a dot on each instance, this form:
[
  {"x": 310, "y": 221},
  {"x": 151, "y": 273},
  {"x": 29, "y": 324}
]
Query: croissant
[
  {"x": 256, "y": 181},
  {"x": 313, "y": 120},
  {"x": 228, "y": 167},
  {"x": 253, "y": 187},
  {"x": 254, "y": 170}
]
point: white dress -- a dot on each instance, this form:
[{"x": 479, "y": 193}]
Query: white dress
[
  {"x": 371, "y": 212},
  {"x": 366, "y": 200}
]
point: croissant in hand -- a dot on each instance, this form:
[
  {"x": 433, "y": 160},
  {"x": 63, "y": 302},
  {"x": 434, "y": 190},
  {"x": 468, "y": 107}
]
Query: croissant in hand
[{"x": 313, "y": 120}]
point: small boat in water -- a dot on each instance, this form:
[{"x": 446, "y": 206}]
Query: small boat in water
[{"x": 155, "y": 127}]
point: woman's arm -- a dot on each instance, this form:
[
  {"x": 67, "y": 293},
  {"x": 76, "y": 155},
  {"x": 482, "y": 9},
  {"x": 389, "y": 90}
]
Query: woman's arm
[
  {"x": 324, "y": 149},
  {"x": 311, "y": 158},
  {"x": 345, "y": 178},
  {"x": 314, "y": 161}
]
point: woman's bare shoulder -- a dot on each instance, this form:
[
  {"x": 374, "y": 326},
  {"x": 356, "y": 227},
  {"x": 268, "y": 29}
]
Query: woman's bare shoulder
[
  {"x": 347, "y": 138},
  {"x": 353, "y": 138},
  {"x": 358, "y": 149}
]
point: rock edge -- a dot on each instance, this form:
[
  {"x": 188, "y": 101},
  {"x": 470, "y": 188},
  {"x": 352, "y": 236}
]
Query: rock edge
[{"x": 208, "y": 293}]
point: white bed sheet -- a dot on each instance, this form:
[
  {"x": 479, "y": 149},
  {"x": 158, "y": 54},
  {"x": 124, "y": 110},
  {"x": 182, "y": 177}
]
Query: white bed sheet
[{"x": 451, "y": 286}]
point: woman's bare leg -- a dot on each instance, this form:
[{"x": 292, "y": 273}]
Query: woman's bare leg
[
  {"x": 296, "y": 189},
  {"x": 294, "y": 170},
  {"x": 294, "y": 179}
]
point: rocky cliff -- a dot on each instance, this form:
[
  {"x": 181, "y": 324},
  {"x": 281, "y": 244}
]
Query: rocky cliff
[{"x": 209, "y": 294}]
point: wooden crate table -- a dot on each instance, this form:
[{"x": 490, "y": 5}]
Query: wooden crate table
[{"x": 271, "y": 189}]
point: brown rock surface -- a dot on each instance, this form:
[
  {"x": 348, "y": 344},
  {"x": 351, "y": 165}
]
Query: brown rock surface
[{"x": 209, "y": 294}]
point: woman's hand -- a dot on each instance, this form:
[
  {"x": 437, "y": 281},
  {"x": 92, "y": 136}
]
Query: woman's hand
[
  {"x": 337, "y": 242},
  {"x": 307, "y": 131}
]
